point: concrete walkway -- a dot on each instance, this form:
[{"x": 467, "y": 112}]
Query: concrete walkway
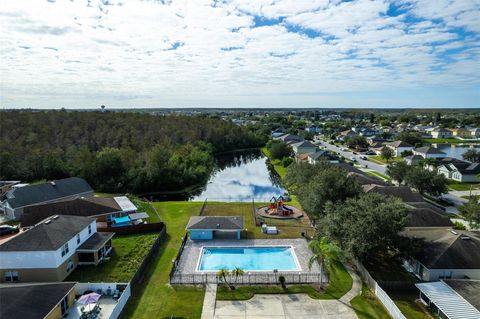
[
  {"x": 208, "y": 310},
  {"x": 294, "y": 306},
  {"x": 356, "y": 286}
]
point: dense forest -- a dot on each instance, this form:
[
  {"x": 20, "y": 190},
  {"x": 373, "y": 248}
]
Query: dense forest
[{"x": 114, "y": 151}]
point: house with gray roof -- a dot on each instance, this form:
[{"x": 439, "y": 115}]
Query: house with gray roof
[
  {"x": 210, "y": 227},
  {"x": 304, "y": 147},
  {"x": 399, "y": 147},
  {"x": 429, "y": 152},
  {"x": 52, "y": 249},
  {"x": 314, "y": 158},
  {"x": 19, "y": 198},
  {"x": 444, "y": 253},
  {"x": 460, "y": 171}
]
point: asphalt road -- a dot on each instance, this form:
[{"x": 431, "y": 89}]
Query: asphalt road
[{"x": 347, "y": 154}]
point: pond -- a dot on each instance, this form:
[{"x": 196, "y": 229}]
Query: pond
[
  {"x": 241, "y": 177},
  {"x": 455, "y": 150}
]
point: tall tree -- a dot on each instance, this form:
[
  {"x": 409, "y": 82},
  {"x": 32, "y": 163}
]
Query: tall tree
[
  {"x": 365, "y": 224},
  {"x": 398, "y": 171},
  {"x": 471, "y": 211},
  {"x": 472, "y": 155},
  {"x": 387, "y": 153},
  {"x": 426, "y": 182}
]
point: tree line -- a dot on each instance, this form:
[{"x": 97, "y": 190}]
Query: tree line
[{"x": 117, "y": 151}]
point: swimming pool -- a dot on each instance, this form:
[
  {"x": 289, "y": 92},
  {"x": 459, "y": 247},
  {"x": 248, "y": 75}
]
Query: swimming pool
[{"x": 266, "y": 258}]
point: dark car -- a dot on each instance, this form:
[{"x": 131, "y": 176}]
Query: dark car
[{"x": 7, "y": 229}]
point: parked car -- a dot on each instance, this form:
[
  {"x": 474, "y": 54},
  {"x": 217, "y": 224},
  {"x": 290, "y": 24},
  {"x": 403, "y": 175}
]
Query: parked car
[
  {"x": 370, "y": 153},
  {"x": 363, "y": 157},
  {"x": 446, "y": 201},
  {"x": 7, "y": 229},
  {"x": 353, "y": 159}
]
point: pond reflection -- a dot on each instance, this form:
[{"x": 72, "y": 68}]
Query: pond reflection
[{"x": 241, "y": 177}]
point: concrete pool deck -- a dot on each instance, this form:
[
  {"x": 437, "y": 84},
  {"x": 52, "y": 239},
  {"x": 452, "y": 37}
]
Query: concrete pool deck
[{"x": 191, "y": 252}]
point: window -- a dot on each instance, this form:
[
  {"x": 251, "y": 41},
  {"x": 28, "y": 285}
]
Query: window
[
  {"x": 78, "y": 238},
  {"x": 11, "y": 276},
  {"x": 89, "y": 229},
  {"x": 65, "y": 249},
  {"x": 70, "y": 266}
]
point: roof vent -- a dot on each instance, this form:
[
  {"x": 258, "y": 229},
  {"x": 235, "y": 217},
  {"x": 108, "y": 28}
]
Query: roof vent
[
  {"x": 55, "y": 217},
  {"x": 453, "y": 232},
  {"x": 48, "y": 221},
  {"x": 218, "y": 225},
  {"x": 53, "y": 183},
  {"x": 465, "y": 237}
]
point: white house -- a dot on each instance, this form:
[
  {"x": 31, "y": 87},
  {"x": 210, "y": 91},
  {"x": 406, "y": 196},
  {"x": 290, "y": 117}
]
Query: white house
[
  {"x": 429, "y": 152},
  {"x": 474, "y": 132},
  {"x": 444, "y": 253},
  {"x": 52, "y": 249},
  {"x": 304, "y": 147},
  {"x": 461, "y": 171},
  {"x": 399, "y": 146},
  {"x": 441, "y": 133}
]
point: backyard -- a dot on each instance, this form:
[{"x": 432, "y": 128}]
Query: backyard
[
  {"x": 128, "y": 253},
  {"x": 156, "y": 299}
]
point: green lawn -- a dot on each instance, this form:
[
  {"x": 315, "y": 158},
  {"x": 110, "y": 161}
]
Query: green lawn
[
  {"x": 379, "y": 160},
  {"x": 291, "y": 228},
  {"x": 457, "y": 186},
  {"x": 128, "y": 253},
  {"x": 281, "y": 171},
  {"x": 146, "y": 207},
  {"x": 157, "y": 299},
  {"x": 408, "y": 306},
  {"x": 448, "y": 141},
  {"x": 367, "y": 306},
  {"x": 377, "y": 174}
]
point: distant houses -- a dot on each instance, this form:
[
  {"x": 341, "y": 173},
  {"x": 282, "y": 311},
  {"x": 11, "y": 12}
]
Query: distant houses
[
  {"x": 17, "y": 199},
  {"x": 441, "y": 133},
  {"x": 429, "y": 152},
  {"x": 52, "y": 249}
]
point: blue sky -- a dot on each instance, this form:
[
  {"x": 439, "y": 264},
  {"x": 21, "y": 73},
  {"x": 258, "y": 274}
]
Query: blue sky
[{"x": 241, "y": 53}]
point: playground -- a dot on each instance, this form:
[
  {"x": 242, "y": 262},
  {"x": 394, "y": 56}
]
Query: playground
[{"x": 277, "y": 209}]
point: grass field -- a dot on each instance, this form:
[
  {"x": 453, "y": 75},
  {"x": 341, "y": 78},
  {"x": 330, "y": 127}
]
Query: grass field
[
  {"x": 457, "y": 186},
  {"x": 407, "y": 305},
  {"x": 379, "y": 160},
  {"x": 290, "y": 228},
  {"x": 367, "y": 306},
  {"x": 276, "y": 163},
  {"x": 157, "y": 299},
  {"x": 377, "y": 174},
  {"x": 128, "y": 253}
]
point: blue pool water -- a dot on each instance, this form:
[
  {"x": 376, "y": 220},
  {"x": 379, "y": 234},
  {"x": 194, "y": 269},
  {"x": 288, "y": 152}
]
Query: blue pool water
[{"x": 248, "y": 258}]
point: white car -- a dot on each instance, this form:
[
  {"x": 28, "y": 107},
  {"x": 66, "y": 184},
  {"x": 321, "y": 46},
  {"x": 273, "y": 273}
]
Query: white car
[
  {"x": 364, "y": 158},
  {"x": 353, "y": 159}
]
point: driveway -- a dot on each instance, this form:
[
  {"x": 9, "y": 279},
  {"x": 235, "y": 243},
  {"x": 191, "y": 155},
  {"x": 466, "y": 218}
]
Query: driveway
[
  {"x": 347, "y": 154},
  {"x": 294, "y": 306}
]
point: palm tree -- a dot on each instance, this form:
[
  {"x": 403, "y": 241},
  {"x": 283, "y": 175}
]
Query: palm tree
[
  {"x": 237, "y": 272},
  {"x": 321, "y": 251},
  {"x": 222, "y": 274}
]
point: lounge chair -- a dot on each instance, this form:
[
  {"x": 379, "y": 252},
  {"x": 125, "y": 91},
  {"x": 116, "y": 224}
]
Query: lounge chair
[{"x": 116, "y": 294}]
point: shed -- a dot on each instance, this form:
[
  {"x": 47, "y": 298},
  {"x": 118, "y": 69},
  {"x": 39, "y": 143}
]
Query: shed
[{"x": 215, "y": 227}]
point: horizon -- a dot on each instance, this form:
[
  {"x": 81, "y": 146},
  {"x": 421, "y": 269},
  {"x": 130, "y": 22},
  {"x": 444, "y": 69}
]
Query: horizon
[{"x": 379, "y": 54}]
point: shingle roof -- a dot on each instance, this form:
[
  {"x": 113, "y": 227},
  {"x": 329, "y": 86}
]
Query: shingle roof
[
  {"x": 48, "y": 236},
  {"x": 303, "y": 144},
  {"x": 33, "y": 194},
  {"x": 368, "y": 180},
  {"x": 96, "y": 241},
  {"x": 89, "y": 206},
  {"x": 216, "y": 222},
  {"x": 467, "y": 288},
  {"x": 426, "y": 217},
  {"x": 31, "y": 300},
  {"x": 402, "y": 192},
  {"x": 429, "y": 150},
  {"x": 444, "y": 249},
  {"x": 400, "y": 144}
]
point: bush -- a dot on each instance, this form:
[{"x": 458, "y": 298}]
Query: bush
[
  {"x": 281, "y": 280},
  {"x": 459, "y": 226},
  {"x": 286, "y": 161}
]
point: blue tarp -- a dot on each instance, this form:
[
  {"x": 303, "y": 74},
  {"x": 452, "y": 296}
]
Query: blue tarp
[{"x": 121, "y": 221}]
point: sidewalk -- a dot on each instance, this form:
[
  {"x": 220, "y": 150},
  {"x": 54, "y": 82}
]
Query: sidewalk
[
  {"x": 208, "y": 310},
  {"x": 356, "y": 286}
]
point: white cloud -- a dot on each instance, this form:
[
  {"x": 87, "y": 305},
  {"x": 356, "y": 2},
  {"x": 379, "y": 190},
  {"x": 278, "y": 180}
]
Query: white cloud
[{"x": 187, "y": 53}]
